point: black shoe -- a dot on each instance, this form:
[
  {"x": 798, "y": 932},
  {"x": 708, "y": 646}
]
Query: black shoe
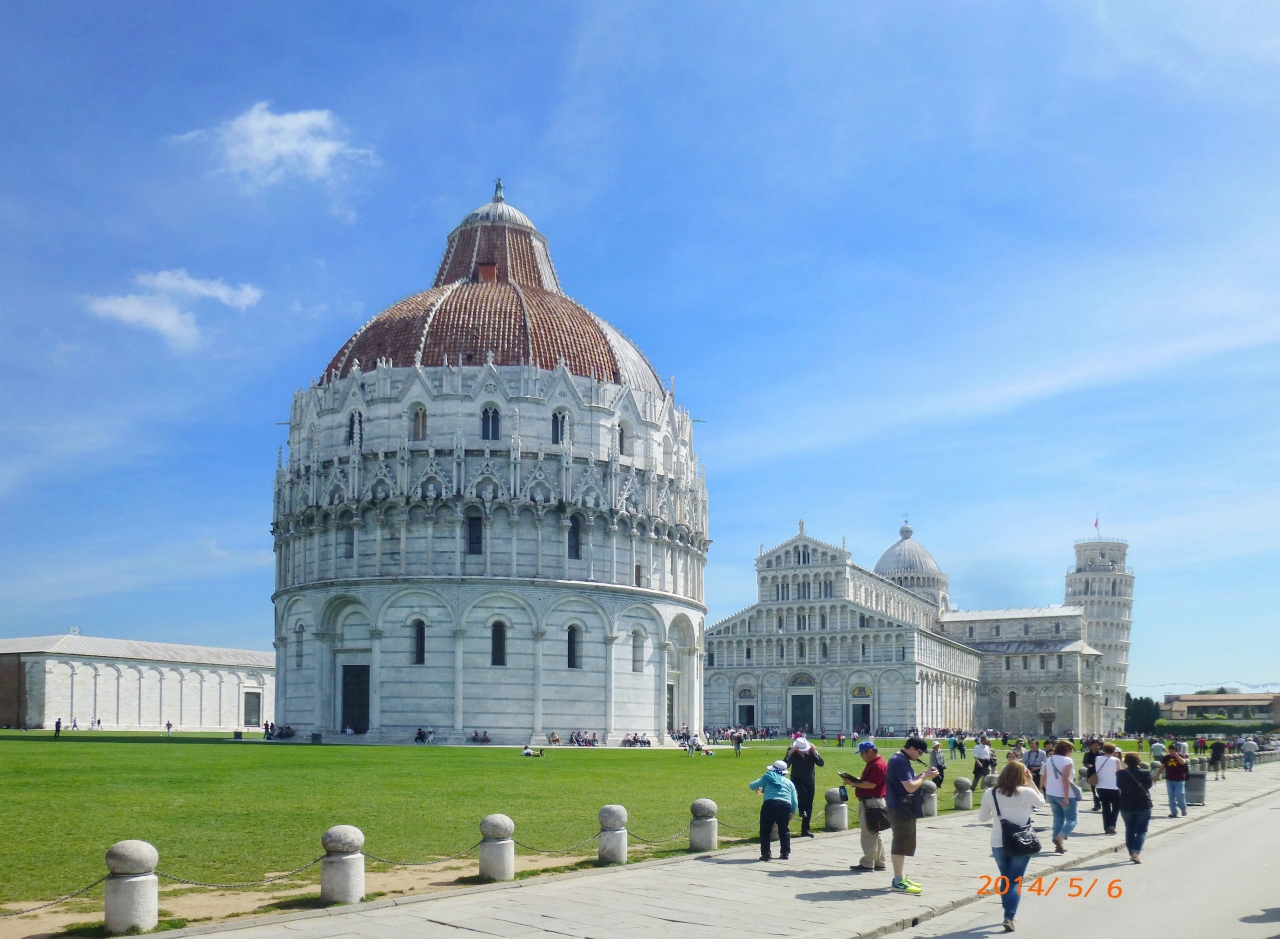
[
  {"x": 1173, "y": 815},
  {"x": 806, "y": 834},
  {"x": 765, "y": 857},
  {"x": 859, "y": 867},
  {"x": 783, "y": 857}
]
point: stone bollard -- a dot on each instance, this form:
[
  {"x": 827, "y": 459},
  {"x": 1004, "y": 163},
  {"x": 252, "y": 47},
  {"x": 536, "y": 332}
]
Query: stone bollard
[
  {"x": 497, "y": 851},
  {"x": 704, "y": 830},
  {"x": 989, "y": 781},
  {"x": 930, "y": 790},
  {"x": 837, "y": 811},
  {"x": 131, "y": 899},
  {"x": 964, "y": 793},
  {"x": 613, "y": 835},
  {"x": 342, "y": 868}
]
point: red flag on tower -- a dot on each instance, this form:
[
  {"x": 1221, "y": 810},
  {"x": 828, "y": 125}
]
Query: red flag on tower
[{"x": 1095, "y": 524}]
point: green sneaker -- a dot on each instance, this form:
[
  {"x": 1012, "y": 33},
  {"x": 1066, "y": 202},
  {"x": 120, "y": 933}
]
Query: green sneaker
[{"x": 905, "y": 886}]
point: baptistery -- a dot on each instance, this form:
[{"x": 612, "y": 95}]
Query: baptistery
[{"x": 491, "y": 521}]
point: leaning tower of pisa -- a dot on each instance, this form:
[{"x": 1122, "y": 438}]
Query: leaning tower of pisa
[{"x": 1102, "y": 584}]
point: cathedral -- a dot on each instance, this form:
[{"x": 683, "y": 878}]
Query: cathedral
[
  {"x": 830, "y": 646},
  {"x": 491, "y": 518}
]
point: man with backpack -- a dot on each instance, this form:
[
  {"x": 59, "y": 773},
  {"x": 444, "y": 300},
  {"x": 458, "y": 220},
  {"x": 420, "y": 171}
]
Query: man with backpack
[{"x": 905, "y": 803}]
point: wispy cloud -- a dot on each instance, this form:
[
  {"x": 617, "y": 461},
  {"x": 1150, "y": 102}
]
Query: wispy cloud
[
  {"x": 162, "y": 310},
  {"x": 262, "y": 148}
]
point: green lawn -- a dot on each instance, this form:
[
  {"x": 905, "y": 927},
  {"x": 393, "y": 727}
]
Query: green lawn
[{"x": 225, "y": 811}]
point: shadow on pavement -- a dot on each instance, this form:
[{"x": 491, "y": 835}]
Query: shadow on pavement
[{"x": 1266, "y": 916}]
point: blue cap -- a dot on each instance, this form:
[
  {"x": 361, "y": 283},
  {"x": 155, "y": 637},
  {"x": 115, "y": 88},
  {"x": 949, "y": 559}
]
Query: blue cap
[{"x": 866, "y": 745}]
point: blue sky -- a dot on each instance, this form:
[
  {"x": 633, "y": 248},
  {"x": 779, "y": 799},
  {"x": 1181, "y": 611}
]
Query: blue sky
[{"x": 1004, "y": 267}]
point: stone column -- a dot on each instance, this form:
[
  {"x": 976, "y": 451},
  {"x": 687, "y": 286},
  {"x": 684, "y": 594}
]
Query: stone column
[
  {"x": 342, "y": 869},
  {"x": 375, "y": 680},
  {"x": 538, "y": 635},
  {"x": 537, "y": 524},
  {"x": 590, "y": 531},
  {"x": 131, "y": 895},
  {"x": 837, "y": 814},
  {"x": 661, "y": 702},
  {"x": 613, "y": 552},
  {"x": 613, "y": 835},
  {"x": 513, "y": 520},
  {"x": 704, "y": 830},
  {"x": 498, "y": 850},
  {"x": 404, "y": 540},
  {"x": 457, "y": 545},
  {"x": 458, "y": 635},
  {"x": 609, "y": 640},
  {"x": 488, "y": 542},
  {"x": 431, "y": 543}
]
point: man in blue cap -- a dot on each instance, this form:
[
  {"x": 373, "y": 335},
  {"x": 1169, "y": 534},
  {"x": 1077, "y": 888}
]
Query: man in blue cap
[
  {"x": 869, "y": 788},
  {"x": 779, "y": 807}
]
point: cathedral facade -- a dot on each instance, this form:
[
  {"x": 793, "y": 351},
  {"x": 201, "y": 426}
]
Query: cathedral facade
[
  {"x": 491, "y": 517},
  {"x": 830, "y": 646}
]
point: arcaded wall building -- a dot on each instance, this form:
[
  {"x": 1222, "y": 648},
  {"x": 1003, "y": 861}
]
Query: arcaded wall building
[
  {"x": 133, "y": 685},
  {"x": 491, "y": 517}
]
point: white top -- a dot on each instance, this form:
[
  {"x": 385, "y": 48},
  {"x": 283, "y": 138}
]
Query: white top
[
  {"x": 982, "y": 752},
  {"x": 1016, "y": 809},
  {"x": 1058, "y": 786},
  {"x": 1106, "y": 767},
  {"x": 1250, "y": 747}
]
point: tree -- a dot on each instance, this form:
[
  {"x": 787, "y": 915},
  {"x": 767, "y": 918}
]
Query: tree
[{"x": 1140, "y": 714}]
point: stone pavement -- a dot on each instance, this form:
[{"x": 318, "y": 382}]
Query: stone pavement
[{"x": 729, "y": 893}]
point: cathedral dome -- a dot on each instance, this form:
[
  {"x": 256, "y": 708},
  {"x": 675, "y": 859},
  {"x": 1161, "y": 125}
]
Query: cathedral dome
[
  {"x": 906, "y": 557},
  {"x": 496, "y": 293}
]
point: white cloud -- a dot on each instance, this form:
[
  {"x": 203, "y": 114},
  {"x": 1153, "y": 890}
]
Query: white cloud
[
  {"x": 163, "y": 311},
  {"x": 262, "y": 148},
  {"x": 150, "y": 311},
  {"x": 180, "y": 282}
]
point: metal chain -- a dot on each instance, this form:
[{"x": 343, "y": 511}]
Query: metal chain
[
  {"x": 45, "y": 906},
  {"x": 439, "y": 860},
  {"x": 247, "y": 883},
  {"x": 560, "y": 850},
  {"x": 680, "y": 834}
]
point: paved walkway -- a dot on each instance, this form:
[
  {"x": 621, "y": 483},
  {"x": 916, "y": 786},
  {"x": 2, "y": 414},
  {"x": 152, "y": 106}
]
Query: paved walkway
[{"x": 731, "y": 894}]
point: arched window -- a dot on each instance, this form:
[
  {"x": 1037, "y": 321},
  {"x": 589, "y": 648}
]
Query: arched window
[
  {"x": 782, "y": 623},
  {"x": 637, "y": 652},
  {"x": 475, "y": 535},
  {"x": 824, "y": 650},
  {"x": 297, "y": 647},
  {"x": 355, "y": 428},
  {"x": 419, "y": 423},
  {"x": 498, "y": 644},
  {"x": 1113, "y": 588},
  {"x": 419, "y": 642},
  {"x": 575, "y": 647},
  {"x": 347, "y": 543},
  {"x": 666, "y": 455},
  {"x": 623, "y": 441},
  {"x": 822, "y": 620},
  {"x": 490, "y": 429},
  {"x": 559, "y": 424},
  {"x": 1013, "y": 699},
  {"x": 575, "y": 538}
]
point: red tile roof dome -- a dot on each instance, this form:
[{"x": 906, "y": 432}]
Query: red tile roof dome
[{"x": 496, "y": 291}]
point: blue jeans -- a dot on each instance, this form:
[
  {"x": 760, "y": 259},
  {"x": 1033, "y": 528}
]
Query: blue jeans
[
  {"x": 1135, "y": 828},
  {"x": 1248, "y": 760},
  {"x": 1064, "y": 819},
  {"x": 1177, "y": 795},
  {"x": 1011, "y": 867}
]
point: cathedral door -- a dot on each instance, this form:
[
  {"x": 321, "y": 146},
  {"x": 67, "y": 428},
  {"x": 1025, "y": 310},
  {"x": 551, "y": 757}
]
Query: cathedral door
[
  {"x": 746, "y": 715},
  {"x": 355, "y": 698},
  {"x": 802, "y": 712},
  {"x": 863, "y": 718},
  {"x": 1048, "y": 726}
]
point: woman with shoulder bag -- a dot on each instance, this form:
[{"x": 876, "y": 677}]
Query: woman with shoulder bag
[
  {"x": 1008, "y": 806},
  {"x": 1135, "y": 804},
  {"x": 1063, "y": 793}
]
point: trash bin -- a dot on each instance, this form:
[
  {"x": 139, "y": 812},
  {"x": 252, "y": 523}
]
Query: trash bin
[
  {"x": 1196, "y": 786},
  {"x": 316, "y": 738},
  {"x": 237, "y": 734}
]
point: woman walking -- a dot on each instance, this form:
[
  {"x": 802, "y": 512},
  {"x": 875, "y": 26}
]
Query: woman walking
[
  {"x": 1135, "y": 804},
  {"x": 938, "y": 761},
  {"x": 1064, "y": 795},
  {"x": 1013, "y": 799},
  {"x": 1105, "y": 768}
]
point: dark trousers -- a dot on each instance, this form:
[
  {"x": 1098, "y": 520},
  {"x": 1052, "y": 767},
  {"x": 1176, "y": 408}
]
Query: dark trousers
[
  {"x": 804, "y": 795},
  {"x": 1035, "y": 778},
  {"x": 775, "y": 811},
  {"x": 1110, "y": 799}
]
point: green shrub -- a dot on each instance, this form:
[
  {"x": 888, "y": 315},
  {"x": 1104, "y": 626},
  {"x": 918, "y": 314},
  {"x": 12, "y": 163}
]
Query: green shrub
[{"x": 1190, "y": 728}]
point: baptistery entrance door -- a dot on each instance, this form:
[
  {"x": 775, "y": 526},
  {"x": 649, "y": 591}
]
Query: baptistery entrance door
[{"x": 355, "y": 698}]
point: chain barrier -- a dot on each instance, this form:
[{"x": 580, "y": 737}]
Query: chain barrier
[
  {"x": 680, "y": 834},
  {"x": 247, "y": 883},
  {"x": 572, "y": 847},
  {"x": 45, "y": 906},
  {"x": 439, "y": 860}
]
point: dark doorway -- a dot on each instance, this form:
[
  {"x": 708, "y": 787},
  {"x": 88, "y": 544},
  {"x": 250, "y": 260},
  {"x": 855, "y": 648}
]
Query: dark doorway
[
  {"x": 802, "y": 712},
  {"x": 864, "y": 715},
  {"x": 1047, "y": 726},
  {"x": 355, "y": 698},
  {"x": 671, "y": 708},
  {"x": 252, "y": 709},
  {"x": 746, "y": 715}
]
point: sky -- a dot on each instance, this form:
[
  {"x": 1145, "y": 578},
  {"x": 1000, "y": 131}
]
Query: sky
[{"x": 1004, "y": 268}]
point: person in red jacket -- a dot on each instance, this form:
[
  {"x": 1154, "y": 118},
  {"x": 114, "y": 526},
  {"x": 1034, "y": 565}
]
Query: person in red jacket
[{"x": 869, "y": 789}]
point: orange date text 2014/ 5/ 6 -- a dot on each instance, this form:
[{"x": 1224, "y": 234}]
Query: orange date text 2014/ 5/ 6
[{"x": 1076, "y": 887}]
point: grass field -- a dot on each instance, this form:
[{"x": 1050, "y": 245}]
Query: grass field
[{"x": 222, "y": 811}]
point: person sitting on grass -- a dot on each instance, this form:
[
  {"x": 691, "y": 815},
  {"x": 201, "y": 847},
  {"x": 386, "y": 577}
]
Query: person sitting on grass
[{"x": 529, "y": 751}]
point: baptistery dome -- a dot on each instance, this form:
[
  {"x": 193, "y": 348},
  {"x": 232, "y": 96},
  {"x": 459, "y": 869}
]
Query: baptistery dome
[
  {"x": 907, "y": 563},
  {"x": 496, "y": 291},
  {"x": 491, "y": 518}
]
